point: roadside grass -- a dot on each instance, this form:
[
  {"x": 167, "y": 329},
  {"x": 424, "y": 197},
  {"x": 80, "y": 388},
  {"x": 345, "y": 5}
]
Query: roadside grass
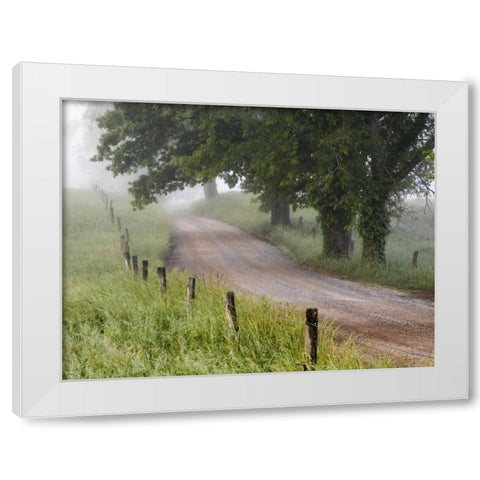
[
  {"x": 115, "y": 325},
  {"x": 413, "y": 231},
  {"x": 92, "y": 243}
]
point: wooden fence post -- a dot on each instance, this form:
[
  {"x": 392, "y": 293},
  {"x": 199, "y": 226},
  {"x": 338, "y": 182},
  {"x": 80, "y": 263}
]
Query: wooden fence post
[
  {"x": 122, "y": 243},
  {"x": 119, "y": 225},
  {"x": 135, "y": 264},
  {"x": 127, "y": 235},
  {"x": 415, "y": 259},
  {"x": 191, "y": 290},
  {"x": 311, "y": 335},
  {"x": 126, "y": 256},
  {"x": 144, "y": 270},
  {"x": 112, "y": 215},
  {"x": 162, "y": 279},
  {"x": 230, "y": 310}
]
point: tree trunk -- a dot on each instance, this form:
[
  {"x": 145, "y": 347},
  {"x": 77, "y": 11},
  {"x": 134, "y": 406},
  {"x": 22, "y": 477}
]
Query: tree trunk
[
  {"x": 210, "y": 189},
  {"x": 374, "y": 227},
  {"x": 336, "y": 239},
  {"x": 336, "y": 222},
  {"x": 335, "y": 213},
  {"x": 280, "y": 214}
]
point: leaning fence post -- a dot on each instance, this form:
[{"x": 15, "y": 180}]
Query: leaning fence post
[
  {"x": 119, "y": 225},
  {"x": 162, "y": 279},
  {"x": 191, "y": 290},
  {"x": 311, "y": 335},
  {"x": 144, "y": 270},
  {"x": 415, "y": 258},
  {"x": 135, "y": 264},
  {"x": 230, "y": 310}
]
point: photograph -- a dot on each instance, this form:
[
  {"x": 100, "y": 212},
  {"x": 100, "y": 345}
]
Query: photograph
[{"x": 202, "y": 239}]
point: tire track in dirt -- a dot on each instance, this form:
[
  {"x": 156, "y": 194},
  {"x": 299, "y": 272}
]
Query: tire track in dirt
[{"x": 380, "y": 318}]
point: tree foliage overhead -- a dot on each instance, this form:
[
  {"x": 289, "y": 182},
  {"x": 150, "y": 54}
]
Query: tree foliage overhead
[
  {"x": 349, "y": 166},
  {"x": 148, "y": 138}
]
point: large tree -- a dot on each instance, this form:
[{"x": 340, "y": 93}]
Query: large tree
[
  {"x": 397, "y": 157},
  {"x": 330, "y": 175}
]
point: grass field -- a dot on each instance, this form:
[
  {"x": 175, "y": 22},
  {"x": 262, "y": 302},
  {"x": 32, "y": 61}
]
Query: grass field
[
  {"x": 413, "y": 231},
  {"x": 115, "y": 325}
]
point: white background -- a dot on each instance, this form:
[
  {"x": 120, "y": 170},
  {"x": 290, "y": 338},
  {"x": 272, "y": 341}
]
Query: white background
[{"x": 408, "y": 39}]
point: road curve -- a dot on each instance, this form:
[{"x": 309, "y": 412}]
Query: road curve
[{"x": 382, "y": 319}]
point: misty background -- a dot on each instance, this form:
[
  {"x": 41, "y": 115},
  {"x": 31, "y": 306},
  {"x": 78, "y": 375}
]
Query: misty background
[{"x": 81, "y": 134}]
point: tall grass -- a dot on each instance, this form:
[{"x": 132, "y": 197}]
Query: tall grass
[
  {"x": 413, "y": 231},
  {"x": 115, "y": 325},
  {"x": 92, "y": 243}
]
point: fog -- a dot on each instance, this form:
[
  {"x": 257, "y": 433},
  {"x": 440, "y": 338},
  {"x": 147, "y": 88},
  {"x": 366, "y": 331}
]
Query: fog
[{"x": 80, "y": 139}]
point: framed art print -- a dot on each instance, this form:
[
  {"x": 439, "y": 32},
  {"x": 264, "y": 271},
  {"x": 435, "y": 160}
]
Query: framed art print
[{"x": 199, "y": 240}]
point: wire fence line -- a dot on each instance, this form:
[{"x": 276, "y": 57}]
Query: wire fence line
[{"x": 311, "y": 327}]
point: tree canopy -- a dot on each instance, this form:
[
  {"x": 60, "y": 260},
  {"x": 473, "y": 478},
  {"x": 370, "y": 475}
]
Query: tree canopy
[{"x": 350, "y": 166}]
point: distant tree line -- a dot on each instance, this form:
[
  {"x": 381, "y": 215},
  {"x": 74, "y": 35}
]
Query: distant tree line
[{"x": 352, "y": 167}]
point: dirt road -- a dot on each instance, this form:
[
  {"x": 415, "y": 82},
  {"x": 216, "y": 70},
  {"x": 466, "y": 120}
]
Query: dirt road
[{"x": 381, "y": 319}]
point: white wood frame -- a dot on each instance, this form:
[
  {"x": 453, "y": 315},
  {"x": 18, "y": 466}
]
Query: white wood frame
[{"x": 38, "y": 390}]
